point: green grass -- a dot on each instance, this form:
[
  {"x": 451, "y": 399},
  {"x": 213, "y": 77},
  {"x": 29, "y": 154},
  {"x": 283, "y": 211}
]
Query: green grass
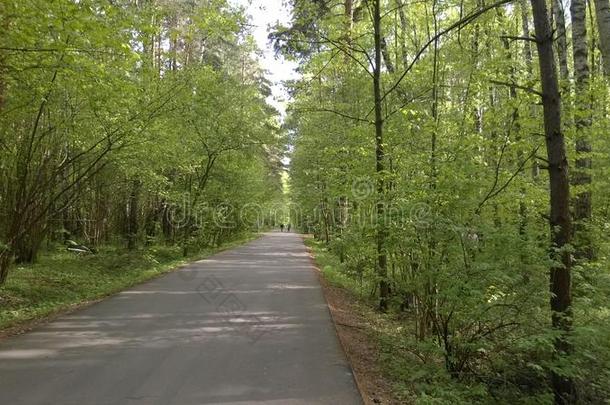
[
  {"x": 61, "y": 280},
  {"x": 413, "y": 380},
  {"x": 334, "y": 273},
  {"x": 415, "y": 369}
]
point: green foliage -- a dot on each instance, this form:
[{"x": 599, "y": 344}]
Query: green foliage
[
  {"x": 146, "y": 124},
  {"x": 131, "y": 122},
  {"x": 466, "y": 196}
]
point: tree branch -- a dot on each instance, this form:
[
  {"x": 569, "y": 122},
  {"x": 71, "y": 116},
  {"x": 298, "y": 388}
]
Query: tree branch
[
  {"x": 517, "y": 86},
  {"x": 310, "y": 110},
  {"x": 458, "y": 24}
]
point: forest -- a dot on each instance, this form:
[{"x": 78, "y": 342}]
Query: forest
[
  {"x": 450, "y": 158},
  {"x": 453, "y": 157},
  {"x": 130, "y": 122},
  {"x": 134, "y": 135}
]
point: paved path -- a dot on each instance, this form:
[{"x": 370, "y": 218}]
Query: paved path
[{"x": 246, "y": 326}]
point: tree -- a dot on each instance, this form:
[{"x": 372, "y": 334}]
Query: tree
[
  {"x": 602, "y": 10},
  {"x": 89, "y": 128},
  {"x": 560, "y": 218},
  {"x": 382, "y": 266},
  {"x": 468, "y": 237},
  {"x": 582, "y": 172}
]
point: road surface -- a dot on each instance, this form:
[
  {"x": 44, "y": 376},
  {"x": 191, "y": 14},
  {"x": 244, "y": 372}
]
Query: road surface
[{"x": 246, "y": 326}]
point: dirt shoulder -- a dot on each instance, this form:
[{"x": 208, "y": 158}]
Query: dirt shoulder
[{"x": 355, "y": 334}]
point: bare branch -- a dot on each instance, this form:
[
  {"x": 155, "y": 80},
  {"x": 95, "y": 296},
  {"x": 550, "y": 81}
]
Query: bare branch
[
  {"x": 327, "y": 110},
  {"x": 517, "y": 38},
  {"x": 517, "y": 86}
]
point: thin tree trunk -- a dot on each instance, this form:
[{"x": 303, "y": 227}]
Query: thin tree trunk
[
  {"x": 602, "y": 11},
  {"x": 166, "y": 222},
  {"x": 559, "y": 221},
  {"x": 581, "y": 176},
  {"x": 349, "y": 19},
  {"x": 525, "y": 27},
  {"x": 517, "y": 124},
  {"x": 132, "y": 215},
  {"x": 434, "y": 109},
  {"x": 403, "y": 28},
  {"x": 562, "y": 43},
  {"x": 527, "y": 55},
  {"x": 4, "y": 25},
  {"x": 382, "y": 260}
]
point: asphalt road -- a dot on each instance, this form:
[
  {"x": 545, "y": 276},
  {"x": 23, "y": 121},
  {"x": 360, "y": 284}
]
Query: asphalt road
[{"x": 246, "y": 326}]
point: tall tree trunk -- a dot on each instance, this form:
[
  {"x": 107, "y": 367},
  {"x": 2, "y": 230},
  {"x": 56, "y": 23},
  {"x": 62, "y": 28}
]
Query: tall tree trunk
[
  {"x": 559, "y": 221},
  {"x": 167, "y": 222},
  {"x": 517, "y": 125},
  {"x": 525, "y": 27},
  {"x": 527, "y": 55},
  {"x": 4, "y": 25},
  {"x": 132, "y": 215},
  {"x": 562, "y": 42},
  {"x": 434, "y": 107},
  {"x": 403, "y": 28},
  {"x": 581, "y": 176},
  {"x": 382, "y": 259},
  {"x": 349, "y": 18},
  {"x": 602, "y": 11}
]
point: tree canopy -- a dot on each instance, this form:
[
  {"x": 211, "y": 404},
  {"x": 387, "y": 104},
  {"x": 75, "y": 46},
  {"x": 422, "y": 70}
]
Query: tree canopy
[
  {"x": 131, "y": 122},
  {"x": 452, "y": 156},
  {"x": 456, "y": 175}
]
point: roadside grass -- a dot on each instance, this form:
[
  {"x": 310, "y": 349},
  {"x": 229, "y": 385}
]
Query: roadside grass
[
  {"x": 333, "y": 270},
  {"x": 416, "y": 373},
  {"x": 62, "y": 280}
]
